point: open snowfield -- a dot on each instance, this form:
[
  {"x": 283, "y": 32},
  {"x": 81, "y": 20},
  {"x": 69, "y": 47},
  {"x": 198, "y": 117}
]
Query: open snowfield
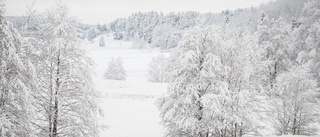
[{"x": 129, "y": 106}]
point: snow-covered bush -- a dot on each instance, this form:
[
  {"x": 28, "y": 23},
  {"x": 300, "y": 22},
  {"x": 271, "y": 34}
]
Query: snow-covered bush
[
  {"x": 158, "y": 69},
  {"x": 115, "y": 70}
]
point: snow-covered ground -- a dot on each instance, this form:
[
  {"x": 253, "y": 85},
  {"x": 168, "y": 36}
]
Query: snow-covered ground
[
  {"x": 129, "y": 106},
  {"x": 291, "y": 136}
]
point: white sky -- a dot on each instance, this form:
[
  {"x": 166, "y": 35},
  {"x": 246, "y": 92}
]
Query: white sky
[{"x": 104, "y": 11}]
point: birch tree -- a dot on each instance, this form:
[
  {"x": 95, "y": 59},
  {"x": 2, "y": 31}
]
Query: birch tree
[{"x": 66, "y": 103}]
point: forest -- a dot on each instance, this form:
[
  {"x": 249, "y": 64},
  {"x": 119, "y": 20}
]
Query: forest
[{"x": 236, "y": 73}]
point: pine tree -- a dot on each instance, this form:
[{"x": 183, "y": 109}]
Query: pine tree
[{"x": 16, "y": 82}]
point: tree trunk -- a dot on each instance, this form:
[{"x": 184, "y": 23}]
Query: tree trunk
[
  {"x": 275, "y": 71},
  {"x": 294, "y": 126},
  {"x": 55, "y": 119},
  {"x": 50, "y": 103},
  {"x": 235, "y": 129},
  {"x": 200, "y": 107},
  {"x": 240, "y": 129},
  {"x": 2, "y": 103},
  {"x": 56, "y": 100},
  {"x": 273, "y": 74}
]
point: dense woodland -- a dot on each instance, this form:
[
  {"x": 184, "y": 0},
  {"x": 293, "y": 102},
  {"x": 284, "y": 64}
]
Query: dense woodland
[{"x": 230, "y": 74}]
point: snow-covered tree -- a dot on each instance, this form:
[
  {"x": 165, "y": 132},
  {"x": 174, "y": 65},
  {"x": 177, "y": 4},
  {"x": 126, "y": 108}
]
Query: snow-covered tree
[
  {"x": 101, "y": 42},
  {"x": 306, "y": 45},
  {"x": 158, "y": 69},
  {"x": 294, "y": 107},
  {"x": 66, "y": 102},
  {"x": 182, "y": 110},
  {"x": 295, "y": 104},
  {"x": 214, "y": 88},
  {"x": 139, "y": 43},
  {"x": 115, "y": 70},
  {"x": 238, "y": 104},
  {"x": 16, "y": 82},
  {"x": 273, "y": 36},
  {"x": 287, "y": 9},
  {"x": 159, "y": 35},
  {"x": 2, "y": 7},
  {"x": 165, "y": 37},
  {"x": 92, "y": 33}
]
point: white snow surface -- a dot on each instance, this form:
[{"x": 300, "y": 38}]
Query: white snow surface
[
  {"x": 129, "y": 106},
  {"x": 291, "y": 136}
]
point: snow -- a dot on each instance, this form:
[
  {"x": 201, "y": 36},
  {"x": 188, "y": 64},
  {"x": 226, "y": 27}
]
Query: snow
[
  {"x": 291, "y": 136},
  {"x": 129, "y": 106}
]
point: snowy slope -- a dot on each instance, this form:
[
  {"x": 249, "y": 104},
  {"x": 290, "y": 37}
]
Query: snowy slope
[{"x": 129, "y": 108}]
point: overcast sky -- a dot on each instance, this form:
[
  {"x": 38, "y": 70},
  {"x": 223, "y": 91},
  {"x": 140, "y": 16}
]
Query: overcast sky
[{"x": 104, "y": 11}]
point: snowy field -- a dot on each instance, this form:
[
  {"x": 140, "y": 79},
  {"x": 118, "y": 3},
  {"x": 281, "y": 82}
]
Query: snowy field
[{"x": 129, "y": 106}]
